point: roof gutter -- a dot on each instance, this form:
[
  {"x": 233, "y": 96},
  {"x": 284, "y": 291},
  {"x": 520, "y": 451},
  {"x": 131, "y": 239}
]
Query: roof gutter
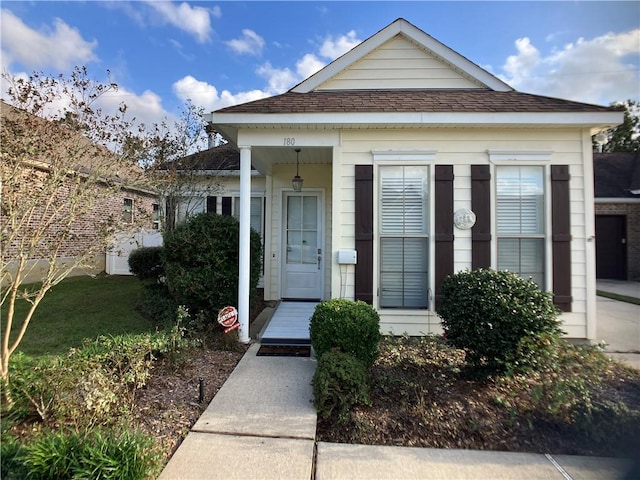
[{"x": 596, "y": 120}]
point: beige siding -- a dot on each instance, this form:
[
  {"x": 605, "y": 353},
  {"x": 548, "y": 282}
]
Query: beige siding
[
  {"x": 462, "y": 148},
  {"x": 399, "y": 64}
]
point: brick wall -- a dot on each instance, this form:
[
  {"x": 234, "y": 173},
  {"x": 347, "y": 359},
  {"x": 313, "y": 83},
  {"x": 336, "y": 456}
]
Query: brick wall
[
  {"x": 632, "y": 213},
  {"x": 86, "y": 230}
]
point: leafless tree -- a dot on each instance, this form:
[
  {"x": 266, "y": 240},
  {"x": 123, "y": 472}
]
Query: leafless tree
[{"x": 62, "y": 159}]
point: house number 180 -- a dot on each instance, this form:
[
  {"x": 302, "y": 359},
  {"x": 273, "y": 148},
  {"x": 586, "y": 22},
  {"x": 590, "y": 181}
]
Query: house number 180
[{"x": 289, "y": 141}]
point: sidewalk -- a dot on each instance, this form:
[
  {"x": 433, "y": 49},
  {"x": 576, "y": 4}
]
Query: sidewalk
[{"x": 261, "y": 425}]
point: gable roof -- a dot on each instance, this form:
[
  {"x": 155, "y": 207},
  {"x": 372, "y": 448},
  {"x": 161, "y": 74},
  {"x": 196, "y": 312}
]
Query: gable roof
[
  {"x": 616, "y": 175},
  {"x": 405, "y": 29},
  {"x": 485, "y": 101},
  {"x": 88, "y": 158}
]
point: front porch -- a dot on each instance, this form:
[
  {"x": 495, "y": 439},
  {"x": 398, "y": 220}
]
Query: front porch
[{"x": 288, "y": 325}]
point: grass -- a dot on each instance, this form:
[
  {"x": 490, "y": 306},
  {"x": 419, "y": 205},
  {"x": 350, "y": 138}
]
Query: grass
[
  {"x": 617, "y": 296},
  {"x": 78, "y": 308}
]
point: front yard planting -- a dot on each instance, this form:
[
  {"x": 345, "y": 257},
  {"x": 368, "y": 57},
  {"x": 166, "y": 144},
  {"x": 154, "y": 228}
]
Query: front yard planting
[
  {"x": 107, "y": 393},
  {"x": 423, "y": 394}
]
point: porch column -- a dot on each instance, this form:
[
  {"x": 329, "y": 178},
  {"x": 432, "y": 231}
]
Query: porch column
[{"x": 245, "y": 253}]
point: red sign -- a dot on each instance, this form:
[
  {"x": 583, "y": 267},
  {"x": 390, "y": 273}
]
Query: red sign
[{"x": 228, "y": 318}]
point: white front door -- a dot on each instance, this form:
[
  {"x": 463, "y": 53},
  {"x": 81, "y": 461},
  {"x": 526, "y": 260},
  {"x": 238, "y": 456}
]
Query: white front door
[{"x": 302, "y": 246}]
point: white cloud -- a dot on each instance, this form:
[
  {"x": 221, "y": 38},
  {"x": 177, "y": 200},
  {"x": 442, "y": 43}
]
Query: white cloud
[
  {"x": 193, "y": 20},
  {"x": 34, "y": 48},
  {"x": 250, "y": 43},
  {"x": 278, "y": 80},
  {"x": 333, "y": 48},
  {"x": 207, "y": 96},
  {"x": 308, "y": 65},
  {"x": 601, "y": 70}
]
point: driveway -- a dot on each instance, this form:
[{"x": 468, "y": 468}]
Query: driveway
[{"x": 618, "y": 323}]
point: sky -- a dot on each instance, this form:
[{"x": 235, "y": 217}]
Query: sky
[{"x": 216, "y": 54}]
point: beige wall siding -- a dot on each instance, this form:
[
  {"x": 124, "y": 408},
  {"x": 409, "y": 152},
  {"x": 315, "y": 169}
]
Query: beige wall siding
[
  {"x": 398, "y": 64},
  {"x": 461, "y": 148}
]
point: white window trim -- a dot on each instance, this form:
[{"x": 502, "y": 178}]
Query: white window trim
[
  {"x": 505, "y": 157},
  {"x": 403, "y": 158},
  {"x": 124, "y": 210}
]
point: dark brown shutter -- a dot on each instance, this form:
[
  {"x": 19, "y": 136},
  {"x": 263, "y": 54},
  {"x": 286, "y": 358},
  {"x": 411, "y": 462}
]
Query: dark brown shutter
[
  {"x": 212, "y": 204},
  {"x": 481, "y": 206},
  {"x": 226, "y": 205},
  {"x": 444, "y": 225},
  {"x": 364, "y": 232},
  {"x": 561, "y": 236}
]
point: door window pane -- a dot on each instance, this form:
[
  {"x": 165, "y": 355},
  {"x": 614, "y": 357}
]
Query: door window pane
[{"x": 302, "y": 229}]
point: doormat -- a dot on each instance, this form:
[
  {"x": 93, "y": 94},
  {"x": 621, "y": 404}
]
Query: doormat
[{"x": 284, "y": 351}]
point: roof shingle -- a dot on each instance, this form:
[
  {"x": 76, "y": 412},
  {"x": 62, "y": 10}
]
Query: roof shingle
[{"x": 367, "y": 101}]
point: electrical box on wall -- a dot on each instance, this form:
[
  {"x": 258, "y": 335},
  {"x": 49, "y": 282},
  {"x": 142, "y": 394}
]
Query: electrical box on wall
[{"x": 347, "y": 257}]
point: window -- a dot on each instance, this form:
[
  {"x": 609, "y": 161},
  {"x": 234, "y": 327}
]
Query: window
[
  {"x": 255, "y": 212},
  {"x": 155, "y": 216},
  {"x": 404, "y": 236},
  {"x": 127, "y": 210},
  {"x": 520, "y": 221}
]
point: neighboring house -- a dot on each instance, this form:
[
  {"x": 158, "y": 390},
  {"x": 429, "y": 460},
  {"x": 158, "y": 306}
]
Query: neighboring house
[
  {"x": 617, "y": 210},
  {"x": 214, "y": 186},
  {"x": 133, "y": 206},
  {"x": 402, "y": 144}
]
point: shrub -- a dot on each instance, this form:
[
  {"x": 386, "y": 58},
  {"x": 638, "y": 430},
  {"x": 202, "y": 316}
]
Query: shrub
[
  {"x": 91, "y": 385},
  {"x": 146, "y": 263},
  {"x": 95, "y": 455},
  {"x": 352, "y": 327},
  {"x": 489, "y": 314},
  {"x": 340, "y": 382},
  {"x": 201, "y": 263}
]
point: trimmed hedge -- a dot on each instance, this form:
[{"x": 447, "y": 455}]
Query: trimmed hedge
[
  {"x": 491, "y": 313},
  {"x": 340, "y": 382},
  {"x": 352, "y": 327},
  {"x": 201, "y": 263}
]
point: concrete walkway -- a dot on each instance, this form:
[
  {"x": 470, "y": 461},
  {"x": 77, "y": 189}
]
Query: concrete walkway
[{"x": 262, "y": 423}]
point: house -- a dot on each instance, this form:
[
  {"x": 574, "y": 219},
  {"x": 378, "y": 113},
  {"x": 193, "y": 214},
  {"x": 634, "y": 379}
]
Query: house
[
  {"x": 416, "y": 163},
  {"x": 617, "y": 210},
  {"x": 64, "y": 157},
  {"x": 211, "y": 183}
]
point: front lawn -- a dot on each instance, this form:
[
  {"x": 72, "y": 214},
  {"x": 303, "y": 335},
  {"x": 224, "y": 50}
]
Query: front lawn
[
  {"x": 424, "y": 395},
  {"x": 79, "y": 308}
]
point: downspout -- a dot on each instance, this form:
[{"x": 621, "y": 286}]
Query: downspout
[{"x": 244, "y": 253}]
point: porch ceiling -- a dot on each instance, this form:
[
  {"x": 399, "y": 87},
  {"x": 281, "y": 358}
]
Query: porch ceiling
[{"x": 264, "y": 158}]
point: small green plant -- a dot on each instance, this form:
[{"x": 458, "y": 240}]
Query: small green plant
[
  {"x": 340, "y": 382},
  {"x": 489, "y": 313},
  {"x": 352, "y": 327},
  {"x": 95, "y": 455},
  {"x": 12, "y": 459},
  {"x": 146, "y": 263}
]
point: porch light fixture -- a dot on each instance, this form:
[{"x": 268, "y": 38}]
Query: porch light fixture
[{"x": 296, "y": 182}]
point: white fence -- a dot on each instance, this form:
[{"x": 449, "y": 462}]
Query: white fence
[{"x": 117, "y": 260}]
